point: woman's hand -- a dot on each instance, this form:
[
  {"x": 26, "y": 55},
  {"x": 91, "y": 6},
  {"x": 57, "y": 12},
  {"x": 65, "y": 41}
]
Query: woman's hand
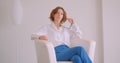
[
  {"x": 43, "y": 37},
  {"x": 70, "y": 20}
]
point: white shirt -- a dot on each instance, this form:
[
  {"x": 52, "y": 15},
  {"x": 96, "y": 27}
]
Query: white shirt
[{"x": 59, "y": 36}]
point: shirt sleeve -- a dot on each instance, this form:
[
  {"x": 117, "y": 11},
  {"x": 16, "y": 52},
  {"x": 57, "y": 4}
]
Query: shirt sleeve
[
  {"x": 75, "y": 31},
  {"x": 41, "y": 31}
]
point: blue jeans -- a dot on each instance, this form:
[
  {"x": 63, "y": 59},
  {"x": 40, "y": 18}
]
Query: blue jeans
[{"x": 75, "y": 54}]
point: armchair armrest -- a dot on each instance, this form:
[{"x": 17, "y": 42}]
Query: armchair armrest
[
  {"x": 45, "y": 52},
  {"x": 89, "y": 45},
  {"x": 34, "y": 36}
]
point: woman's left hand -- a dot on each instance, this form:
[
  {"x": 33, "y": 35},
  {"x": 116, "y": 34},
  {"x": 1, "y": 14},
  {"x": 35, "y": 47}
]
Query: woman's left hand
[{"x": 70, "y": 20}]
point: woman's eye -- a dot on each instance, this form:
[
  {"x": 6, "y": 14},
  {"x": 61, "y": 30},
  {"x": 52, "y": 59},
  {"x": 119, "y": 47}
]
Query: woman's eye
[{"x": 61, "y": 13}]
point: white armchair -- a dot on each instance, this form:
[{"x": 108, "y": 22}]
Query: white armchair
[{"x": 46, "y": 54}]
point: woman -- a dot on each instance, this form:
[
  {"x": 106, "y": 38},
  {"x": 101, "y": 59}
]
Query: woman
[{"x": 60, "y": 37}]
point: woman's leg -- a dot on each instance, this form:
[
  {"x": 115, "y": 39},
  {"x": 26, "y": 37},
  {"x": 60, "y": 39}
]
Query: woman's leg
[
  {"x": 76, "y": 59},
  {"x": 66, "y": 54},
  {"x": 60, "y": 50},
  {"x": 82, "y": 53}
]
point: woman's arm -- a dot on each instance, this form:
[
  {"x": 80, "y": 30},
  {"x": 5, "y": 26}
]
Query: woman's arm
[
  {"x": 41, "y": 33},
  {"x": 43, "y": 37},
  {"x": 74, "y": 28}
]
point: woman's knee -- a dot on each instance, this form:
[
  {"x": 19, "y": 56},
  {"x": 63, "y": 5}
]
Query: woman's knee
[
  {"x": 76, "y": 59},
  {"x": 79, "y": 48}
]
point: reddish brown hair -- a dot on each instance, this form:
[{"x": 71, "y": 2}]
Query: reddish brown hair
[{"x": 54, "y": 11}]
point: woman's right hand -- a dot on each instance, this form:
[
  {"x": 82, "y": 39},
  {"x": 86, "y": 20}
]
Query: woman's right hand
[
  {"x": 43, "y": 37},
  {"x": 71, "y": 20}
]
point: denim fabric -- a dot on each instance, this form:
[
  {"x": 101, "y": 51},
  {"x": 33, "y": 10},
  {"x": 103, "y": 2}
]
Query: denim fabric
[{"x": 75, "y": 54}]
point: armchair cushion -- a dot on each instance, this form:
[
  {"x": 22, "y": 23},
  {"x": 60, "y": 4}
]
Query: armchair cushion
[{"x": 64, "y": 62}]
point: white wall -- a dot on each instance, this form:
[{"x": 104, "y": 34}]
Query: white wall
[
  {"x": 15, "y": 40},
  {"x": 111, "y": 30}
]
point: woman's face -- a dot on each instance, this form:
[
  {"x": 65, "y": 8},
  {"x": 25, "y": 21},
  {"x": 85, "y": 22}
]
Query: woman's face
[{"x": 59, "y": 15}]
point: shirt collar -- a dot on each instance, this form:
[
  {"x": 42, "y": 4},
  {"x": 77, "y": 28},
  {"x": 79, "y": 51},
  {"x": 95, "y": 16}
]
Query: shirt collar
[{"x": 54, "y": 26}]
